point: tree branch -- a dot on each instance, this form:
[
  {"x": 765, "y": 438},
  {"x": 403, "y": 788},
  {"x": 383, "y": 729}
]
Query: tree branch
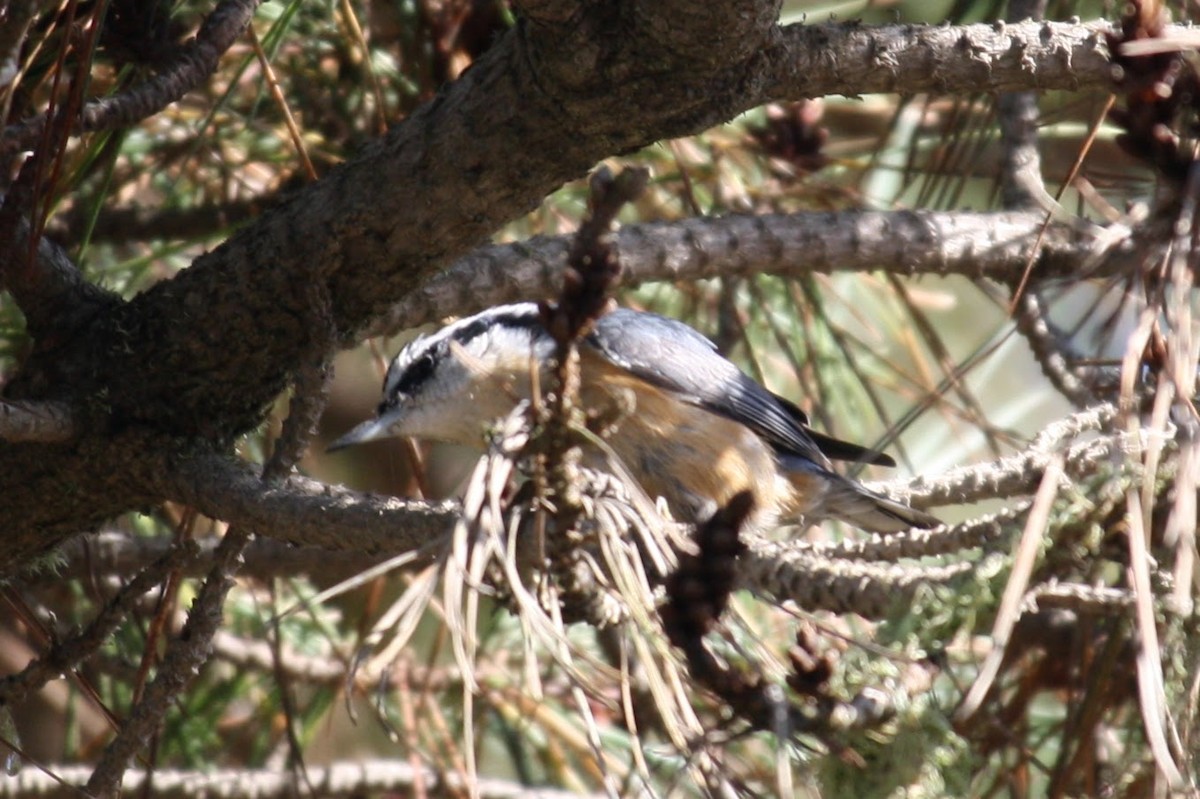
[
  {"x": 179, "y": 667},
  {"x": 991, "y": 246},
  {"x": 116, "y": 555},
  {"x": 369, "y": 777},
  {"x": 1020, "y": 474},
  {"x": 307, "y": 512},
  {"x": 873, "y": 590},
  {"x": 64, "y": 656},
  {"x": 1021, "y": 183},
  {"x": 1050, "y": 349},
  {"x": 850, "y": 59},
  {"x": 194, "y": 63}
]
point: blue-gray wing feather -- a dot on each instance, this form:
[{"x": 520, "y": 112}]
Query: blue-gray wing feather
[{"x": 674, "y": 357}]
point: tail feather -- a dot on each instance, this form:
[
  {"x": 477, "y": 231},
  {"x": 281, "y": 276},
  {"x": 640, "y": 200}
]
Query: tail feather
[
  {"x": 854, "y": 504},
  {"x": 822, "y": 494}
]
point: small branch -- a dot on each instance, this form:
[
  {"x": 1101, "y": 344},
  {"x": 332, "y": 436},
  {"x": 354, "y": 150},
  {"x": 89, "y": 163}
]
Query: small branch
[
  {"x": 360, "y": 778},
  {"x": 43, "y": 422},
  {"x": 304, "y": 511},
  {"x": 837, "y": 58},
  {"x": 1084, "y": 599},
  {"x": 1020, "y": 474},
  {"x": 66, "y": 655},
  {"x": 870, "y": 590},
  {"x": 1021, "y": 165},
  {"x": 1050, "y": 349},
  {"x": 326, "y": 670},
  {"x": 986, "y": 532},
  {"x": 129, "y": 224},
  {"x": 1017, "y": 113},
  {"x": 1022, "y": 187},
  {"x": 117, "y": 555},
  {"x": 46, "y": 285},
  {"x": 310, "y": 390},
  {"x": 980, "y": 245},
  {"x": 180, "y": 666},
  {"x": 18, "y": 14},
  {"x": 195, "y": 63}
]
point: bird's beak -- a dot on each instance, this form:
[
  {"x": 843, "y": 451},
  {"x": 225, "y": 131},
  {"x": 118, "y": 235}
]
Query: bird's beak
[{"x": 367, "y": 431}]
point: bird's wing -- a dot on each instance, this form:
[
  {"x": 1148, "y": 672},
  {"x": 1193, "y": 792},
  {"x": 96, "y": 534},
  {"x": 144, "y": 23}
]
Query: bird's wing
[
  {"x": 674, "y": 357},
  {"x": 832, "y": 447}
]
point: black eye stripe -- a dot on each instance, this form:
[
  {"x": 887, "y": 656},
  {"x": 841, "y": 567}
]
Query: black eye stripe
[
  {"x": 411, "y": 379},
  {"x": 417, "y": 373}
]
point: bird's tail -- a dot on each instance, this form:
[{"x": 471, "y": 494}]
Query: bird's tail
[
  {"x": 854, "y": 504},
  {"x": 823, "y": 494}
]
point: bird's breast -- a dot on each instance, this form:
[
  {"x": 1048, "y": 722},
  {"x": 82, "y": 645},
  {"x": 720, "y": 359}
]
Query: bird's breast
[{"x": 694, "y": 459}]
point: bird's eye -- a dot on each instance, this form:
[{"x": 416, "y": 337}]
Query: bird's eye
[
  {"x": 422, "y": 369},
  {"x": 416, "y": 374}
]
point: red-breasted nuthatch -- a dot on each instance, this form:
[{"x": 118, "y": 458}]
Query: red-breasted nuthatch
[{"x": 700, "y": 430}]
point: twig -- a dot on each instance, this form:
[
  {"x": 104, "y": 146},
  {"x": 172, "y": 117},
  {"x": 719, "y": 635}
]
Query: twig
[
  {"x": 1009, "y": 610},
  {"x": 326, "y": 669},
  {"x": 125, "y": 224},
  {"x": 1017, "y": 114},
  {"x": 17, "y": 17},
  {"x": 1022, "y": 473},
  {"x": 1051, "y": 350},
  {"x": 179, "y": 667},
  {"x": 985, "y": 532},
  {"x": 310, "y": 393},
  {"x": 1094, "y": 599}
]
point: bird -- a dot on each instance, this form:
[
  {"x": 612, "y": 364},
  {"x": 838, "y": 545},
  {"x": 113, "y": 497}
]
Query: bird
[{"x": 699, "y": 432}]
